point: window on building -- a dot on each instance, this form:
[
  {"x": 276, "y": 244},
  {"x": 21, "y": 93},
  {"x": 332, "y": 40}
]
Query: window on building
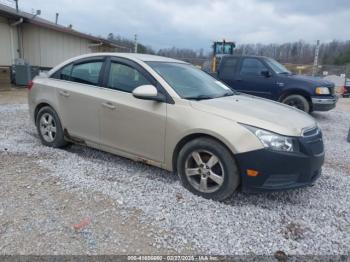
[{"x": 125, "y": 78}]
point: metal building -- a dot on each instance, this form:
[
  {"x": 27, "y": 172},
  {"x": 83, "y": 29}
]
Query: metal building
[{"x": 38, "y": 42}]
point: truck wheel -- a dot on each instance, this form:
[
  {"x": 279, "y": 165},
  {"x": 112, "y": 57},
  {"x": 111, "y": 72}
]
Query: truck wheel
[
  {"x": 207, "y": 168},
  {"x": 50, "y": 128},
  {"x": 297, "y": 101}
]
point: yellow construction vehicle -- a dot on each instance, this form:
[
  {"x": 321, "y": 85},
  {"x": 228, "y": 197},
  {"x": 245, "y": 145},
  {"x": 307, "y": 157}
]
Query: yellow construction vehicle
[{"x": 221, "y": 48}]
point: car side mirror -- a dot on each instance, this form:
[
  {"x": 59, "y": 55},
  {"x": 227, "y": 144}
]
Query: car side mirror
[
  {"x": 266, "y": 73},
  {"x": 148, "y": 92}
]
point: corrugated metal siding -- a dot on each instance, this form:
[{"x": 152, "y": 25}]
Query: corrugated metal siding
[
  {"x": 5, "y": 43},
  {"x": 47, "y": 48}
]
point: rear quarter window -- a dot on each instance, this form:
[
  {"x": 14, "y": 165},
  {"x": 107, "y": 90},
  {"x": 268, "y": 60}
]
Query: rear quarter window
[
  {"x": 64, "y": 73},
  {"x": 228, "y": 67}
]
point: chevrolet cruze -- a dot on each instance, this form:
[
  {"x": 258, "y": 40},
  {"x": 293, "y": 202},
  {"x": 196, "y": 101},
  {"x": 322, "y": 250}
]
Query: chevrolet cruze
[{"x": 169, "y": 114}]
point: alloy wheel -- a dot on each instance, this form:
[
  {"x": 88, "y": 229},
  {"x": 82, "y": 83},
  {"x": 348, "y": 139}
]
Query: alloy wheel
[
  {"x": 204, "y": 171},
  {"x": 48, "y": 127},
  {"x": 295, "y": 103}
]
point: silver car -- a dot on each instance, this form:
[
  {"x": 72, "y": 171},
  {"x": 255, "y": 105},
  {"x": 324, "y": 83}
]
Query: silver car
[{"x": 169, "y": 114}]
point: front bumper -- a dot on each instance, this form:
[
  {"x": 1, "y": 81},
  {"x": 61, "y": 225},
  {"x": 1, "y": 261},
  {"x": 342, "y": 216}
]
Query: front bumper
[
  {"x": 283, "y": 170},
  {"x": 323, "y": 103}
]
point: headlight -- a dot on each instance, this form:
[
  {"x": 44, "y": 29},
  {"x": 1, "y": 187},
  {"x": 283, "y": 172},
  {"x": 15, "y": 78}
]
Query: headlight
[
  {"x": 273, "y": 141},
  {"x": 322, "y": 91}
]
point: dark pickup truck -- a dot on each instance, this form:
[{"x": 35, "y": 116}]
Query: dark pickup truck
[{"x": 265, "y": 77}]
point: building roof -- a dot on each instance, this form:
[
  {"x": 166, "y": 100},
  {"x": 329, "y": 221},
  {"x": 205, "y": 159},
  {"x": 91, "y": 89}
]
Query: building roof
[{"x": 36, "y": 20}]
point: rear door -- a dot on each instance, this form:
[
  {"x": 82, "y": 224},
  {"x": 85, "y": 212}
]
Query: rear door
[
  {"x": 250, "y": 79},
  {"x": 227, "y": 71},
  {"x": 77, "y": 94},
  {"x": 133, "y": 126}
]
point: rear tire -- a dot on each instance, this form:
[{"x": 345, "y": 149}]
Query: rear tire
[
  {"x": 297, "y": 101},
  {"x": 49, "y": 128},
  {"x": 208, "y": 169}
]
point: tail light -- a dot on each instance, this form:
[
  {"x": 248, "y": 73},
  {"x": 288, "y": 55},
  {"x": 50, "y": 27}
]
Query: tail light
[{"x": 30, "y": 84}]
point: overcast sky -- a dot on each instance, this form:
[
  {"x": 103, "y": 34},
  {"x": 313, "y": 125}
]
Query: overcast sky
[{"x": 196, "y": 23}]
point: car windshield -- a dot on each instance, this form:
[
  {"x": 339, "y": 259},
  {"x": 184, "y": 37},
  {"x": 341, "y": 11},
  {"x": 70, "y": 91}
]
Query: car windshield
[
  {"x": 277, "y": 67},
  {"x": 190, "y": 82}
]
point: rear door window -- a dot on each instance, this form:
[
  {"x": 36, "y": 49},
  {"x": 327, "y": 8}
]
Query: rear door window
[{"x": 86, "y": 73}]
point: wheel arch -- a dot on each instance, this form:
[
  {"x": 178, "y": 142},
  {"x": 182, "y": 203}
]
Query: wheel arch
[
  {"x": 295, "y": 91},
  {"x": 40, "y": 106},
  {"x": 189, "y": 138}
]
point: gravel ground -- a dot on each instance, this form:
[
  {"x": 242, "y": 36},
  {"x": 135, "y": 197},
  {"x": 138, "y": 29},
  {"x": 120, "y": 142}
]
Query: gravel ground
[{"x": 130, "y": 207}]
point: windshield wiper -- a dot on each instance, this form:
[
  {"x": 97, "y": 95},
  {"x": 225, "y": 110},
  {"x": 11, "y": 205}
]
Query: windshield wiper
[
  {"x": 199, "y": 97},
  {"x": 284, "y": 73},
  {"x": 203, "y": 97},
  {"x": 227, "y": 94}
]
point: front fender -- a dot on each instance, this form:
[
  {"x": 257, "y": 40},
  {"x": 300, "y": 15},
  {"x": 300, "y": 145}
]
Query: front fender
[{"x": 184, "y": 122}]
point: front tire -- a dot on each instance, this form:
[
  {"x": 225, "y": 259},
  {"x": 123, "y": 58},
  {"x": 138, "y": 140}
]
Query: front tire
[
  {"x": 297, "y": 101},
  {"x": 208, "y": 169},
  {"x": 49, "y": 128}
]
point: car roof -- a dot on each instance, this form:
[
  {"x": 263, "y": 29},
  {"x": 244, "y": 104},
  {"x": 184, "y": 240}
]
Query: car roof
[
  {"x": 147, "y": 57},
  {"x": 243, "y": 56},
  {"x": 133, "y": 56}
]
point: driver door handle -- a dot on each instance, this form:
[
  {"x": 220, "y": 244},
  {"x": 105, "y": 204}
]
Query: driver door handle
[{"x": 109, "y": 105}]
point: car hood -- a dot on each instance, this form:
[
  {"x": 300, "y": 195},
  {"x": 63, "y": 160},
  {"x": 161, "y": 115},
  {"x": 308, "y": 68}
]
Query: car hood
[
  {"x": 314, "y": 81},
  {"x": 258, "y": 112}
]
